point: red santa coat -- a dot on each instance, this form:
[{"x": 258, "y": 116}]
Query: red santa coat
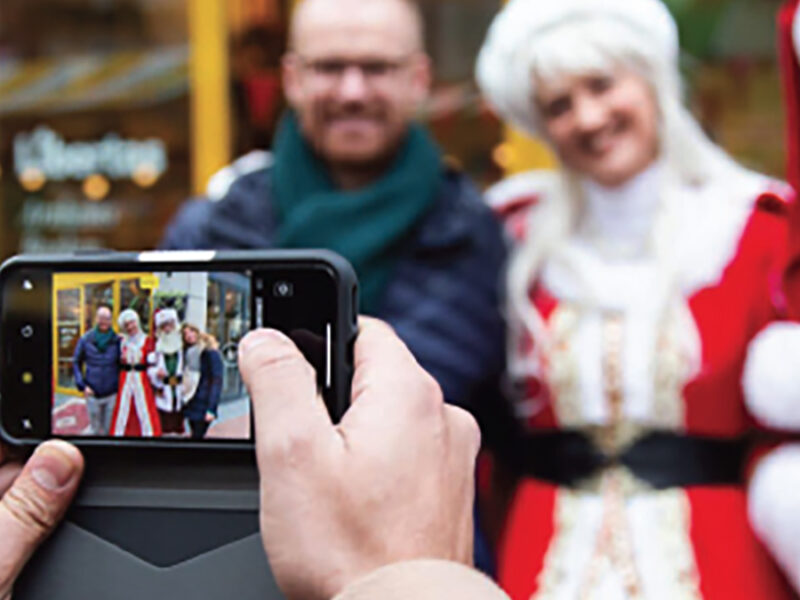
[
  {"x": 135, "y": 413},
  {"x": 614, "y": 537}
]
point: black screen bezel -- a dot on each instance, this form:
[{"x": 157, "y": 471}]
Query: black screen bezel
[{"x": 39, "y": 352}]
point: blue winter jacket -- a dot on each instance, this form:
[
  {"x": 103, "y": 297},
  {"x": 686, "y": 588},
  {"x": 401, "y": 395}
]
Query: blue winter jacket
[
  {"x": 209, "y": 388},
  {"x": 101, "y": 368}
]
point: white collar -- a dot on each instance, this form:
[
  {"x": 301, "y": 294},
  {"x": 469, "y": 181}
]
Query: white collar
[{"x": 620, "y": 220}]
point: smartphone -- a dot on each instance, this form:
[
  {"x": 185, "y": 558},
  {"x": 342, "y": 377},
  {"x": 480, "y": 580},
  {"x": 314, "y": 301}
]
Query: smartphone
[{"x": 141, "y": 349}]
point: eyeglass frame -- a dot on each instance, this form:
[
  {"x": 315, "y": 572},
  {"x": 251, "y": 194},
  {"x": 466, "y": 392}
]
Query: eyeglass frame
[{"x": 383, "y": 69}]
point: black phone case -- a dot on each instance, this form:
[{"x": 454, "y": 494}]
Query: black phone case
[{"x": 165, "y": 521}]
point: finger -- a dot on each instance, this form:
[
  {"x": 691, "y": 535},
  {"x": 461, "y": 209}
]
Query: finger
[
  {"x": 389, "y": 380},
  {"x": 283, "y": 390},
  {"x": 8, "y": 473},
  {"x": 464, "y": 444},
  {"x": 35, "y": 503},
  {"x": 465, "y": 434}
]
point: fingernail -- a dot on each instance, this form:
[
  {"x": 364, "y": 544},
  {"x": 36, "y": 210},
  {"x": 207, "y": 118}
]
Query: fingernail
[{"x": 54, "y": 465}]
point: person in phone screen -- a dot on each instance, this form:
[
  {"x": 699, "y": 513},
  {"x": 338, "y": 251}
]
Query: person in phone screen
[
  {"x": 202, "y": 378},
  {"x": 135, "y": 414},
  {"x": 96, "y": 366},
  {"x": 166, "y": 374}
]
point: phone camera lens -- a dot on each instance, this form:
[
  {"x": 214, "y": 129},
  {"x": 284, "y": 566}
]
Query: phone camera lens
[
  {"x": 27, "y": 332},
  {"x": 27, "y": 285},
  {"x": 283, "y": 289}
]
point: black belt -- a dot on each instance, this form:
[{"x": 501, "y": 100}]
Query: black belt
[
  {"x": 172, "y": 380},
  {"x": 125, "y": 367},
  {"x": 662, "y": 459}
]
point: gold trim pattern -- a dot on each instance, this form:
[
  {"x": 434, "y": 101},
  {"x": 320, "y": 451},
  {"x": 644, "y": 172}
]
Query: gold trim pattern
[
  {"x": 671, "y": 369},
  {"x": 563, "y": 376}
]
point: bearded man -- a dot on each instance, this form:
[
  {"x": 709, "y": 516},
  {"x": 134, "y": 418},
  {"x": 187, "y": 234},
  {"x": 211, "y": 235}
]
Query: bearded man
[{"x": 167, "y": 372}]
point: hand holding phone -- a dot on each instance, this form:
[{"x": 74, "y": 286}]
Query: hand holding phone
[{"x": 393, "y": 481}]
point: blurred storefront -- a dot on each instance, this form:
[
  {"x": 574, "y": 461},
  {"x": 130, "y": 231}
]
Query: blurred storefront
[
  {"x": 217, "y": 303},
  {"x": 113, "y": 112}
]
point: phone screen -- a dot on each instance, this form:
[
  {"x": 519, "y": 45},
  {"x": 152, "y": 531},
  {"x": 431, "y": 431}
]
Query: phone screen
[{"x": 150, "y": 354}]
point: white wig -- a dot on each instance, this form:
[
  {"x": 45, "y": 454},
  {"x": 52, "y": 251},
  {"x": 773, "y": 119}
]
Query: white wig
[
  {"x": 531, "y": 41},
  {"x": 128, "y": 315},
  {"x": 166, "y": 315}
]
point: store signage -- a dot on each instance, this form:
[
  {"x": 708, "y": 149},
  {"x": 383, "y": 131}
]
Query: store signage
[
  {"x": 45, "y": 152},
  {"x": 69, "y": 215}
]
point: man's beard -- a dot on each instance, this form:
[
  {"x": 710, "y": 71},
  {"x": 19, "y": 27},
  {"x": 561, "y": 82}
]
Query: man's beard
[{"x": 169, "y": 343}]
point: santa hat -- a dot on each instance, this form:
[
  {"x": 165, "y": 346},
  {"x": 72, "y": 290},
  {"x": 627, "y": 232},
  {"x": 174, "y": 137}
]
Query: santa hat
[
  {"x": 503, "y": 69},
  {"x": 165, "y": 315},
  {"x": 127, "y": 315}
]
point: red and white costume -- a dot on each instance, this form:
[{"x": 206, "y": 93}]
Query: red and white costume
[
  {"x": 654, "y": 315},
  {"x": 135, "y": 413},
  {"x": 626, "y": 357},
  {"x": 169, "y": 392}
]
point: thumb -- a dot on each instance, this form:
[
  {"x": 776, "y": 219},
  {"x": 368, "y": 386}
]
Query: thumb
[
  {"x": 283, "y": 390},
  {"x": 35, "y": 503}
]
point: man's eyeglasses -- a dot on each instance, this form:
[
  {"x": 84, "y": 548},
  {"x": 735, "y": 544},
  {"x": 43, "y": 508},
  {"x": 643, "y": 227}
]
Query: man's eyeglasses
[{"x": 374, "y": 71}]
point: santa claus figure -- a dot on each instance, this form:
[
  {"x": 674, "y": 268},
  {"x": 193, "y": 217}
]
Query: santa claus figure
[
  {"x": 167, "y": 372},
  {"x": 648, "y": 318},
  {"x": 135, "y": 412}
]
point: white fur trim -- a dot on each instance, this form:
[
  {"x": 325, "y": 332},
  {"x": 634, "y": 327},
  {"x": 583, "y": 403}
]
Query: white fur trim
[
  {"x": 503, "y": 71},
  {"x": 771, "y": 377},
  {"x": 165, "y": 315},
  {"x": 127, "y": 315},
  {"x": 773, "y": 501},
  {"x": 538, "y": 183}
]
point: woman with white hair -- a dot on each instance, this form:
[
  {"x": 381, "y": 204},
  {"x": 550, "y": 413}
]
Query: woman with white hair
[
  {"x": 645, "y": 299},
  {"x": 135, "y": 414}
]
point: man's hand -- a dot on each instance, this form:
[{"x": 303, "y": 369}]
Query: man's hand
[
  {"x": 392, "y": 482},
  {"x": 88, "y": 391},
  {"x": 34, "y": 499}
]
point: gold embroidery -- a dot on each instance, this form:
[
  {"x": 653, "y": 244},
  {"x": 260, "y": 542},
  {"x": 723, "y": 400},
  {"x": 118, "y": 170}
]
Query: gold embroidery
[
  {"x": 562, "y": 369},
  {"x": 671, "y": 369},
  {"x": 613, "y": 547},
  {"x": 674, "y": 539}
]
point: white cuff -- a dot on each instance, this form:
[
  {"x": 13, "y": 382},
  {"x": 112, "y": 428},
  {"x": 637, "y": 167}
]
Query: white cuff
[
  {"x": 771, "y": 378},
  {"x": 774, "y": 507}
]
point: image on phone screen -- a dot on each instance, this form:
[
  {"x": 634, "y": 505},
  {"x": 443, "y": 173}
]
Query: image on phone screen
[
  {"x": 150, "y": 354},
  {"x": 110, "y": 353}
]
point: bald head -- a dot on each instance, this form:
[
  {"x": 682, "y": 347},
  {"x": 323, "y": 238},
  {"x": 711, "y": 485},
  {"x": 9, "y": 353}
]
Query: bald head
[
  {"x": 103, "y": 318},
  {"x": 403, "y": 15}
]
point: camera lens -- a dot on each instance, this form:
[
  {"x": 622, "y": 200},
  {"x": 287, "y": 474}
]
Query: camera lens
[
  {"x": 283, "y": 289},
  {"x": 27, "y": 331}
]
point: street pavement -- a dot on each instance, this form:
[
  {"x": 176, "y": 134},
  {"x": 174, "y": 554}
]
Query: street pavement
[{"x": 71, "y": 418}]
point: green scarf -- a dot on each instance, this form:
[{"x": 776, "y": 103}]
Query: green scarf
[
  {"x": 367, "y": 225},
  {"x": 102, "y": 340}
]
